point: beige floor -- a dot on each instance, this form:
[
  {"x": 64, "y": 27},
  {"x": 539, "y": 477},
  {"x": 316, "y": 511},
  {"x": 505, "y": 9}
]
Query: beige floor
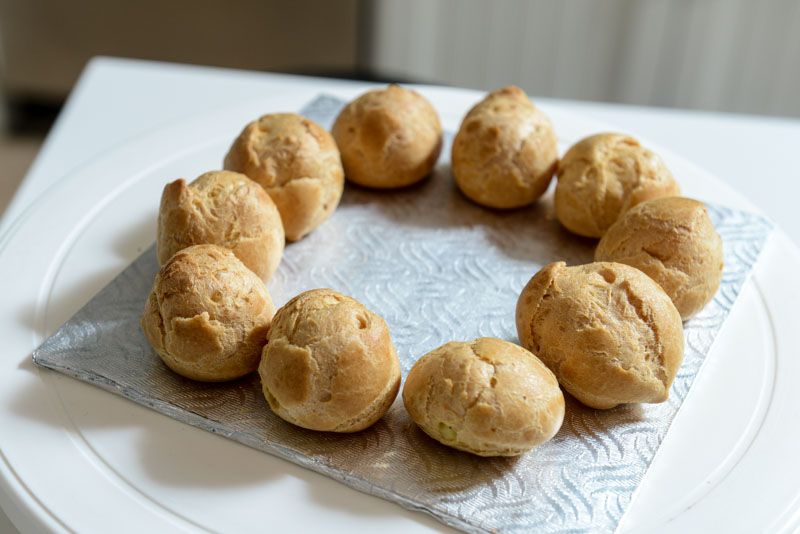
[{"x": 16, "y": 156}]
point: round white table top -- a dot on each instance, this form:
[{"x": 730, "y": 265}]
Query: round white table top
[{"x": 117, "y": 100}]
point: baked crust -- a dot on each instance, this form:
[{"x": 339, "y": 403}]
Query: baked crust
[
  {"x": 296, "y": 161},
  {"x": 488, "y": 397},
  {"x": 608, "y": 332},
  {"x": 603, "y": 176},
  {"x": 388, "y": 137},
  {"x": 673, "y": 241},
  {"x": 222, "y": 208},
  {"x": 208, "y": 315},
  {"x": 505, "y": 152},
  {"x": 330, "y": 363}
]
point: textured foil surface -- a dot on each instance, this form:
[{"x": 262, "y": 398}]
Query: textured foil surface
[{"x": 437, "y": 268}]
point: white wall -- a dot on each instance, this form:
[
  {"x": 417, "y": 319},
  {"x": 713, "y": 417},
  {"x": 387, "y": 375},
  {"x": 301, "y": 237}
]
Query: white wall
[{"x": 733, "y": 55}]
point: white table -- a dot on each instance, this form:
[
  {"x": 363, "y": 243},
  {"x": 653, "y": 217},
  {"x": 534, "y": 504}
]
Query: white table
[{"x": 116, "y": 100}]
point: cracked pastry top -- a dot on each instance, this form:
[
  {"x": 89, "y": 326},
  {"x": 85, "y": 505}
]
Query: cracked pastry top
[
  {"x": 505, "y": 152},
  {"x": 329, "y": 364},
  {"x": 296, "y": 161},
  {"x": 221, "y": 208},
  {"x": 609, "y": 333},
  {"x": 488, "y": 397},
  {"x": 208, "y": 315},
  {"x": 603, "y": 176},
  {"x": 674, "y": 242},
  {"x": 388, "y": 137}
]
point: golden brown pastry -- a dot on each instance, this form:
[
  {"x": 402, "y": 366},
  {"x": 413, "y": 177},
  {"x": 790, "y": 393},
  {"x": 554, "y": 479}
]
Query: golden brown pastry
[
  {"x": 388, "y": 137},
  {"x": 505, "y": 152},
  {"x": 603, "y": 176},
  {"x": 608, "y": 332},
  {"x": 488, "y": 397},
  {"x": 673, "y": 241},
  {"x": 296, "y": 161},
  {"x": 329, "y": 364},
  {"x": 208, "y": 315},
  {"x": 222, "y": 208}
]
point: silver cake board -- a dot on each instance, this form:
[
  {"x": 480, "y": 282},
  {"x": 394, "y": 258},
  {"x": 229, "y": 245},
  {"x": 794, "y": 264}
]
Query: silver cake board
[{"x": 437, "y": 268}]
